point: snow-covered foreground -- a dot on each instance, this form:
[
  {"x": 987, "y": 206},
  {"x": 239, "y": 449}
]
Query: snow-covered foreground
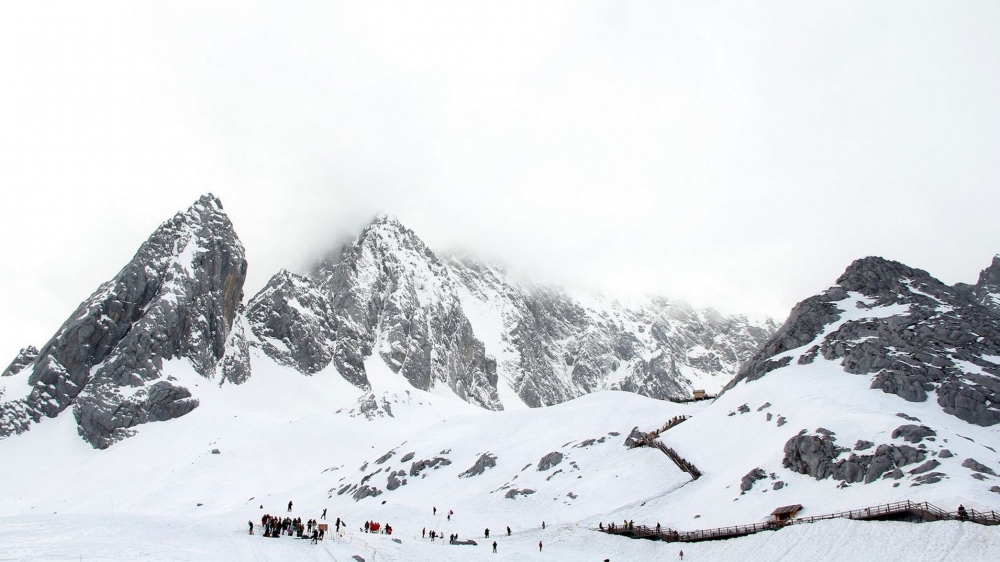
[
  {"x": 163, "y": 495},
  {"x": 122, "y": 537}
]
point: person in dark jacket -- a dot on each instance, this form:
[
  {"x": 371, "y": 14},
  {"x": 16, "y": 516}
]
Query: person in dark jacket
[
  {"x": 289, "y": 506},
  {"x": 487, "y": 533},
  {"x": 494, "y": 547},
  {"x": 251, "y": 526}
]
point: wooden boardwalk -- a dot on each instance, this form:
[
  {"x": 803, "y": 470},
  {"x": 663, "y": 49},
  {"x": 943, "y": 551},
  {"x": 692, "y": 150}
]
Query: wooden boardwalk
[
  {"x": 651, "y": 440},
  {"x": 915, "y": 512}
]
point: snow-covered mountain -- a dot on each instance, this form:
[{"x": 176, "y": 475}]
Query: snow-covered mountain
[
  {"x": 384, "y": 302},
  {"x": 178, "y": 297},
  {"x": 884, "y": 387},
  {"x": 465, "y": 327},
  {"x": 373, "y": 387}
]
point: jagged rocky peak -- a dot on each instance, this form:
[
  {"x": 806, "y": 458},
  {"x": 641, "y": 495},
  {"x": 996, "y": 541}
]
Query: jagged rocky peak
[
  {"x": 25, "y": 357},
  {"x": 913, "y": 335},
  {"x": 177, "y": 297},
  {"x": 455, "y": 322},
  {"x": 986, "y": 291},
  {"x": 383, "y": 293},
  {"x": 554, "y": 346},
  {"x": 294, "y": 322}
]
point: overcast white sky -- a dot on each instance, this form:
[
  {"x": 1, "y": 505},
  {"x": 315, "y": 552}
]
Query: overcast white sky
[{"x": 734, "y": 154}]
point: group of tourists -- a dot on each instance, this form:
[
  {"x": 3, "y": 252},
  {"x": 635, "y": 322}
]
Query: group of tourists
[
  {"x": 376, "y": 527},
  {"x": 275, "y": 527}
]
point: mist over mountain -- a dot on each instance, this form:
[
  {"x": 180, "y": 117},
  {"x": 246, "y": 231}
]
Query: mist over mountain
[{"x": 440, "y": 323}]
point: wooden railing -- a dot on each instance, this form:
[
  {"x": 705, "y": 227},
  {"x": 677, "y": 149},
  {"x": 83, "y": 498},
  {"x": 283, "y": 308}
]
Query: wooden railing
[
  {"x": 650, "y": 440},
  {"x": 918, "y": 512}
]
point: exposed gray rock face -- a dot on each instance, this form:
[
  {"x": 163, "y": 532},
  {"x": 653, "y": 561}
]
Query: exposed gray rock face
[
  {"x": 556, "y": 348},
  {"x": 177, "y": 298},
  {"x": 366, "y": 492},
  {"x": 486, "y": 460},
  {"x": 819, "y": 457},
  {"x": 945, "y": 454},
  {"x": 863, "y": 445},
  {"x": 26, "y": 357},
  {"x": 973, "y": 464},
  {"x": 295, "y": 324},
  {"x": 387, "y": 283},
  {"x": 926, "y": 467},
  {"x": 419, "y": 466},
  {"x": 986, "y": 291},
  {"x": 387, "y": 288},
  {"x": 913, "y": 433},
  {"x": 550, "y": 460},
  {"x": 746, "y": 484},
  {"x": 514, "y": 492},
  {"x": 396, "y": 479},
  {"x": 922, "y": 336}
]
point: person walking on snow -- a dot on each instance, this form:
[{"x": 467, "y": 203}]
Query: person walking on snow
[
  {"x": 289, "y": 506},
  {"x": 508, "y": 530},
  {"x": 435, "y": 511},
  {"x": 494, "y": 547},
  {"x": 251, "y": 526},
  {"x": 682, "y": 555},
  {"x": 324, "y": 514},
  {"x": 487, "y": 533},
  {"x": 539, "y": 546},
  {"x": 423, "y": 533}
]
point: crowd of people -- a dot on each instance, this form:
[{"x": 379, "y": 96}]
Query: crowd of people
[
  {"x": 275, "y": 527},
  {"x": 376, "y": 527}
]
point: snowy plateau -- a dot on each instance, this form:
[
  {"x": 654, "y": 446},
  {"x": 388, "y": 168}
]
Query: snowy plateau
[{"x": 434, "y": 393}]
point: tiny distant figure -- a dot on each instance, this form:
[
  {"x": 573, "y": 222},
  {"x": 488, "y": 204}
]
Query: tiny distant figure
[
  {"x": 682, "y": 555},
  {"x": 324, "y": 514},
  {"x": 435, "y": 511},
  {"x": 367, "y": 525},
  {"x": 543, "y": 524},
  {"x": 251, "y": 526},
  {"x": 539, "y": 546},
  {"x": 289, "y": 506},
  {"x": 494, "y": 547},
  {"x": 962, "y": 514},
  {"x": 657, "y": 528},
  {"x": 423, "y": 533},
  {"x": 508, "y": 530},
  {"x": 449, "y": 517},
  {"x": 600, "y": 526},
  {"x": 262, "y": 506},
  {"x": 315, "y": 537},
  {"x": 487, "y": 533},
  {"x": 338, "y": 524}
]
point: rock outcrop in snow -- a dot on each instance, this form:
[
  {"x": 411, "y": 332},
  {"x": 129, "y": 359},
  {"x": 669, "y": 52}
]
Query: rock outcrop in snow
[
  {"x": 178, "y": 297},
  {"x": 923, "y": 339},
  {"x": 25, "y": 357},
  {"x": 465, "y": 326}
]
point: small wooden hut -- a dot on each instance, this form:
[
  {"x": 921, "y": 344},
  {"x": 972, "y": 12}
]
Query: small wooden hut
[{"x": 784, "y": 514}]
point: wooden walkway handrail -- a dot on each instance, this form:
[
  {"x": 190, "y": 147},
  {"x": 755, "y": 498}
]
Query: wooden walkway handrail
[{"x": 923, "y": 511}]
